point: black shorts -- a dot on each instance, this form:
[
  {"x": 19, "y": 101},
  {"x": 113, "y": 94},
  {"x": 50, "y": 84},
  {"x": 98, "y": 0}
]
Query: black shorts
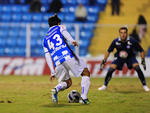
[{"x": 129, "y": 61}]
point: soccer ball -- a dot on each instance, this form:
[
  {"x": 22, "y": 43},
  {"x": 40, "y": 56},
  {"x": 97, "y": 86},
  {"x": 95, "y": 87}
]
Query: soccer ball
[
  {"x": 123, "y": 54},
  {"x": 74, "y": 96}
]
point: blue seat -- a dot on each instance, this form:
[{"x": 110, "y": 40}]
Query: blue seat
[
  {"x": 35, "y": 26},
  {"x": 21, "y": 42},
  {"x": 9, "y": 51},
  {"x": 65, "y": 9},
  {"x": 37, "y": 17},
  {"x": 61, "y": 16},
  {"x": 72, "y": 8},
  {"x": 72, "y": 32},
  {"x": 38, "y": 51},
  {"x": 1, "y": 8},
  {"x": 35, "y": 33},
  {"x": 43, "y": 33},
  {"x": 86, "y": 34},
  {"x": 16, "y": 17},
  {"x": 16, "y": 8},
  {"x": 88, "y": 26},
  {"x": 102, "y": 4},
  {"x": 84, "y": 43},
  {"x": 3, "y": 33},
  {"x": 64, "y": 2},
  {"x": 92, "y": 18},
  {"x": 36, "y": 42},
  {"x": 84, "y": 2},
  {"x": 71, "y": 2},
  {"x": 19, "y": 51},
  {"x": 33, "y": 42},
  {"x": 22, "y": 32},
  {"x": 12, "y": 1},
  {"x": 44, "y": 8},
  {"x": 70, "y": 27},
  {"x": 93, "y": 9},
  {"x": 6, "y": 17},
  {"x": 39, "y": 42},
  {"x": 23, "y": 1},
  {"x": 11, "y": 42},
  {"x": 83, "y": 51},
  {"x": 2, "y": 42},
  {"x": 13, "y": 32},
  {"x": 70, "y": 17},
  {"x": 44, "y": 1},
  {"x": 25, "y": 8},
  {"x": 6, "y": 8},
  {"x": 27, "y": 17},
  {"x": 1, "y": 51},
  {"x": 148, "y": 53},
  {"x": 4, "y": 26},
  {"x": 46, "y": 16}
]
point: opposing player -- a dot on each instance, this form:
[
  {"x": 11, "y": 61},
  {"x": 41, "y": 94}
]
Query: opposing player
[
  {"x": 61, "y": 59},
  {"x": 126, "y": 48}
]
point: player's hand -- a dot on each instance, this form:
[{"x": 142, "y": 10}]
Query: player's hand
[
  {"x": 52, "y": 78},
  {"x": 143, "y": 63},
  {"x": 75, "y": 43},
  {"x": 102, "y": 64}
]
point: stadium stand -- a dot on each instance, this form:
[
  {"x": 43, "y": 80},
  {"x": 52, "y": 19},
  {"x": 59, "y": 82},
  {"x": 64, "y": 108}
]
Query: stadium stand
[{"x": 13, "y": 36}]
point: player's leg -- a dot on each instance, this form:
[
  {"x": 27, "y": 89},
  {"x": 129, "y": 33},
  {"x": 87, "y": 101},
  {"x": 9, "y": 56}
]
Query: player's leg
[
  {"x": 60, "y": 87},
  {"x": 64, "y": 82},
  {"x": 108, "y": 76},
  {"x": 85, "y": 84},
  {"x": 79, "y": 68},
  {"x": 141, "y": 76}
]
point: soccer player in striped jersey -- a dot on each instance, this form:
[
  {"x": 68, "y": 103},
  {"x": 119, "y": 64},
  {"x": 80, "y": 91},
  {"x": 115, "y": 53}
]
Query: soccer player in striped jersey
[
  {"x": 61, "y": 59},
  {"x": 126, "y": 48}
]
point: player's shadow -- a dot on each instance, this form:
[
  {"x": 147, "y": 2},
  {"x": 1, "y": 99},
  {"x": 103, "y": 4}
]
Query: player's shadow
[
  {"x": 129, "y": 92},
  {"x": 60, "y": 105}
]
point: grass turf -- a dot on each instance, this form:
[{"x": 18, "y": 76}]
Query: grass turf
[{"x": 30, "y": 94}]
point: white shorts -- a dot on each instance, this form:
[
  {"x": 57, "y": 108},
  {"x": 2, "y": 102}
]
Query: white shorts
[{"x": 62, "y": 70}]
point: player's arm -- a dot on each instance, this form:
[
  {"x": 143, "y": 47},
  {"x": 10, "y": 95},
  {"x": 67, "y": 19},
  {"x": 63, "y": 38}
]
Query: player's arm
[
  {"x": 67, "y": 36},
  {"x": 110, "y": 49},
  {"x": 142, "y": 54},
  {"x": 49, "y": 62}
]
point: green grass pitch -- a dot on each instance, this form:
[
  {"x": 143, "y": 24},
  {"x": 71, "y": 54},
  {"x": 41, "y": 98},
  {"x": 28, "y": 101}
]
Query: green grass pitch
[{"x": 30, "y": 94}]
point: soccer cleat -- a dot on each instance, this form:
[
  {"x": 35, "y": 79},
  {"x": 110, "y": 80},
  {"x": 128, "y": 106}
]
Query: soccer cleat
[
  {"x": 54, "y": 95},
  {"x": 146, "y": 88},
  {"x": 84, "y": 101},
  {"x": 103, "y": 87}
]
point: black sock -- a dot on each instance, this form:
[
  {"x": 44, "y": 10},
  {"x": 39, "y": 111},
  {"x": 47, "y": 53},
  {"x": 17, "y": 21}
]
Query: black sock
[
  {"x": 140, "y": 75},
  {"x": 108, "y": 76}
]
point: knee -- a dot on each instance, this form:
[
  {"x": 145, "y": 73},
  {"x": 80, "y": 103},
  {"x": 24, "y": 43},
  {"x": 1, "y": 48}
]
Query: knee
[
  {"x": 137, "y": 68},
  {"x": 85, "y": 72},
  {"x": 111, "y": 70},
  {"x": 69, "y": 82}
]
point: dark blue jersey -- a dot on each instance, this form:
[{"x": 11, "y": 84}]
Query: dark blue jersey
[{"x": 131, "y": 46}]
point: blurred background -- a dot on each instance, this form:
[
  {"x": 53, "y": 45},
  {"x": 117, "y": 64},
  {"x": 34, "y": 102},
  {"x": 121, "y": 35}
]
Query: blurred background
[{"x": 94, "y": 23}]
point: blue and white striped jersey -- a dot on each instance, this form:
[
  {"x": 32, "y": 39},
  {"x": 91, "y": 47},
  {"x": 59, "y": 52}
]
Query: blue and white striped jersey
[{"x": 55, "y": 43}]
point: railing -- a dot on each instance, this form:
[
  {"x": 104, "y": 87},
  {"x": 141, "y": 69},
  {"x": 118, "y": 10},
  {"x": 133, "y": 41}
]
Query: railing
[{"x": 93, "y": 39}]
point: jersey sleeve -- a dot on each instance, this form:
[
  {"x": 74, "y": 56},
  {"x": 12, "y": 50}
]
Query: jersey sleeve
[
  {"x": 66, "y": 34},
  {"x": 44, "y": 46},
  {"x": 50, "y": 63},
  {"x": 111, "y": 47}
]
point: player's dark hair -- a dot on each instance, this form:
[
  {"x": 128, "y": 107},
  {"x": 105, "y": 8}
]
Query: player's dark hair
[
  {"x": 54, "y": 20},
  {"x": 123, "y": 28}
]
